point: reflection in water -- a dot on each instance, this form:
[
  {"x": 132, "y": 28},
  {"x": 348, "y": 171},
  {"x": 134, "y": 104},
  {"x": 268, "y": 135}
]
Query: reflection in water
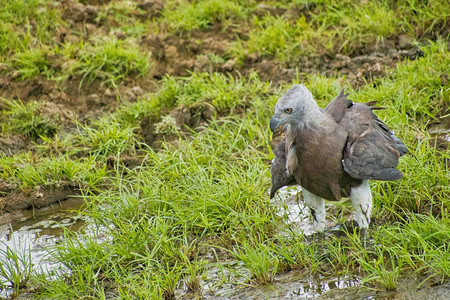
[
  {"x": 40, "y": 230},
  {"x": 296, "y": 284},
  {"x": 313, "y": 288},
  {"x": 293, "y": 209},
  {"x": 34, "y": 232}
]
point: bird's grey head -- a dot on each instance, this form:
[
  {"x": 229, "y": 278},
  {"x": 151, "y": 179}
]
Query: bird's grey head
[{"x": 296, "y": 106}]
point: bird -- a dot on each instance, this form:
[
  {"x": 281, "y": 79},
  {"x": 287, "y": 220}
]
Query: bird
[
  {"x": 279, "y": 175},
  {"x": 332, "y": 152}
]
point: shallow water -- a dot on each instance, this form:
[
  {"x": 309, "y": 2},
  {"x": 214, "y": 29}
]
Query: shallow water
[
  {"x": 40, "y": 230},
  {"x": 296, "y": 284},
  {"x": 36, "y": 231},
  {"x": 218, "y": 279},
  {"x": 294, "y": 211},
  {"x": 291, "y": 285}
]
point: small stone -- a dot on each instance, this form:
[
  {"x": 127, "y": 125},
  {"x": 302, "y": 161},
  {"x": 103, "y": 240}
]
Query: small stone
[
  {"x": 109, "y": 93},
  {"x": 342, "y": 61},
  {"x": 393, "y": 53},
  {"x": 90, "y": 29},
  {"x": 271, "y": 9},
  {"x": 229, "y": 65},
  {"x": 208, "y": 112},
  {"x": 152, "y": 7},
  {"x": 404, "y": 41},
  {"x": 444, "y": 78},
  {"x": 129, "y": 95},
  {"x": 71, "y": 38},
  {"x": 202, "y": 64},
  {"x": 120, "y": 35},
  {"x": 171, "y": 52},
  {"x": 252, "y": 57},
  {"x": 3, "y": 67},
  {"x": 93, "y": 99},
  {"x": 15, "y": 75},
  {"x": 137, "y": 90}
]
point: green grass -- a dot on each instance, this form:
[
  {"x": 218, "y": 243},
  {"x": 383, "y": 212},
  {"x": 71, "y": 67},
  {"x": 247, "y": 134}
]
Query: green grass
[
  {"x": 16, "y": 267},
  {"x": 355, "y": 26},
  {"x": 29, "y": 171},
  {"x": 121, "y": 15},
  {"x": 108, "y": 138},
  {"x": 31, "y": 63},
  {"x": 199, "y": 92},
  {"x": 414, "y": 95},
  {"x": 28, "y": 119},
  {"x": 260, "y": 260},
  {"x": 420, "y": 245},
  {"x": 201, "y": 14},
  {"x": 277, "y": 36},
  {"x": 341, "y": 27},
  {"x": 111, "y": 61},
  {"x": 200, "y": 202},
  {"x": 208, "y": 192},
  {"x": 26, "y": 23},
  {"x": 225, "y": 93}
]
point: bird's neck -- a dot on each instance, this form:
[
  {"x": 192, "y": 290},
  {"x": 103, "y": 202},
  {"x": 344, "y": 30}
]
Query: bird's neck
[{"x": 313, "y": 119}]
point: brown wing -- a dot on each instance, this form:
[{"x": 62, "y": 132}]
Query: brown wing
[
  {"x": 338, "y": 107},
  {"x": 371, "y": 151},
  {"x": 280, "y": 177}
]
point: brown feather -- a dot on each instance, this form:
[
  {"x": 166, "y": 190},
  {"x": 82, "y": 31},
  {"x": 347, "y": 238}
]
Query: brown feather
[{"x": 337, "y": 149}]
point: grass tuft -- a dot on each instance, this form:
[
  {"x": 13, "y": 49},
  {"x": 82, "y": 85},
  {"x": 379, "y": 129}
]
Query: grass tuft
[
  {"x": 111, "y": 61},
  {"x": 29, "y": 119},
  {"x": 16, "y": 267},
  {"x": 26, "y": 23},
  {"x": 260, "y": 260},
  {"x": 30, "y": 171},
  {"x": 225, "y": 93},
  {"x": 31, "y": 63},
  {"x": 108, "y": 138},
  {"x": 156, "y": 220},
  {"x": 201, "y": 14}
]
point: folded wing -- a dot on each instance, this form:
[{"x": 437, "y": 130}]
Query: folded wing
[
  {"x": 372, "y": 150},
  {"x": 280, "y": 176}
]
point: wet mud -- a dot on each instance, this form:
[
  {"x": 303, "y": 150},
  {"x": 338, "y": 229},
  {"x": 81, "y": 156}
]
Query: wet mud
[
  {"x": 36, "y": 218},
  {"x": 74, "y": 100},
  {"x": 40, "y": 230},
  {"x": 300, "y": 284},
  {"x": 37, "y": 231},
  {"x": 31, "y": 199}
]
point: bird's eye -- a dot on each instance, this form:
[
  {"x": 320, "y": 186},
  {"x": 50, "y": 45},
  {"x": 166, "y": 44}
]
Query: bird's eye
[{"x": 288, "y": 110}]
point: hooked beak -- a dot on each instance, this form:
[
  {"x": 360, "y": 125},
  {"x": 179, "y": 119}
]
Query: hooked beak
[{"x": 275, "y": 122}]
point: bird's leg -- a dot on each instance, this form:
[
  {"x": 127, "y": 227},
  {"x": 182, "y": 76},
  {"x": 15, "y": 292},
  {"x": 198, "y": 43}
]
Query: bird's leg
[
  {"x": 317, "y": 207},
  {"x": 361, "y": 197}
]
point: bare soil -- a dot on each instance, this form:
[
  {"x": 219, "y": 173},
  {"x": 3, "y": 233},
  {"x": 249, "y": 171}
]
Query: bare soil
[
  {"x": 18, "y": 199},
  {"x": 172, "y": 54}
]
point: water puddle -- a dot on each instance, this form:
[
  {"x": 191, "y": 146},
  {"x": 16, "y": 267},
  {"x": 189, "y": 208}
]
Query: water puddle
[
  {"x": 227, "y": 280},
  {"x": 296, "y": 284},
  {"x": 293, "y": 285},
  {"x": 292, "y": 208},
  {"x": 29, "y": 233},
  {"x": 294, "y": 211},
  {"x": 34, "y": 232},
  {"x": 311, "y": 288}
]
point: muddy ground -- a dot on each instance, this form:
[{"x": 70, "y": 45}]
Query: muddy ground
[
  {"x": 171, "y": 54},
  {"x": 177, "y": 55}
]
